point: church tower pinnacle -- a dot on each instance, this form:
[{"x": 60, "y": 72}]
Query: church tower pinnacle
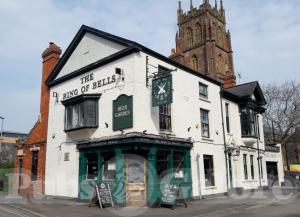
[{"x": 203, "y": 42}]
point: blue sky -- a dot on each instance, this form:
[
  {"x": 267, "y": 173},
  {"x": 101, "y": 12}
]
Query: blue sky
[{"x": 265, "y": 39}]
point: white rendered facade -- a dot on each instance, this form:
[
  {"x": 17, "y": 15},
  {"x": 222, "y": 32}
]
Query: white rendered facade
[{"x": 62, "y": 176}]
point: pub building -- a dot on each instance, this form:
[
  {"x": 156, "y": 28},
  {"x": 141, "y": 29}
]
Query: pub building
[{"x": 123, "y": 114}]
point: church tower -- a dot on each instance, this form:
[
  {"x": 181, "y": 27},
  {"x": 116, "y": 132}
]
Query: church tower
[{"x": 203, "y": 43}]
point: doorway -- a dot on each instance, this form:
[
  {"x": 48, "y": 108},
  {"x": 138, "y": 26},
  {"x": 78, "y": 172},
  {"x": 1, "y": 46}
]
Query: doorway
[
  {"x": 135, "y": 181},
  {"x": 272, "y": 173},
  {"x": 20, "y": 175}
]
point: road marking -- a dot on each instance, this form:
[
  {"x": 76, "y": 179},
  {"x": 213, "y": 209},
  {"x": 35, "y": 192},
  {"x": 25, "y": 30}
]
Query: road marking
[
  {"x": 214, "y": 213},
  {"x": 20, "y": 211},
  {"x": 12, "y": 212}
]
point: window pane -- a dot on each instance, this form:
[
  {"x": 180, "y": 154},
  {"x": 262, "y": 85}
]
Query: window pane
[
  {"x": 204, "y": 123},
  {"x": 91, "y": 113},
  {"x": 34, "y": 165},
  {"x": 82, "y": 114},
  {"x": 92, "y": 166},
  {"x": 165, "y": 117},
  {"x": 209, "y": 170},
  {"x": 203, "y": 90},
  {"x": 161, "y": 163},
  {"x": 69, "y": 117},
  {"x": 248, "y": 123},
  {"x": 252, "y": 166},
  {"x": 245, "y": 166},
  {"x": 178, "y": 164},
  {"x": 109, "y": 169},
  {"x": 75, "y": 116}
]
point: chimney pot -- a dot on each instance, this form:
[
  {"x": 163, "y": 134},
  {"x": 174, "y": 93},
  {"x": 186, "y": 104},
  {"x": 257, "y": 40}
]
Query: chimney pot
[{"x": 53, "y": 50}]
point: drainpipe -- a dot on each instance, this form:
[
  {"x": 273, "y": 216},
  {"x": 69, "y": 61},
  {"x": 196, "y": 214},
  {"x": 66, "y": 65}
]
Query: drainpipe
[
  {"x": 258, "y": 153},
  {"x": 199, "y": 182},
  {"x": 224, "y": 138},
  {"x": 1, "y": 136}
]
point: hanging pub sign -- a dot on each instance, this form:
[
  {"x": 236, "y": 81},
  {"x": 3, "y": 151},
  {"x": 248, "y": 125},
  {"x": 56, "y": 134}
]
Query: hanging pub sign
[
  {"x": 162, "y": 92},
  {"x": 122, "y": 113}
]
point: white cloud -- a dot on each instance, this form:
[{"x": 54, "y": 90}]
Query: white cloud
[{"x": 265, "y": 38}]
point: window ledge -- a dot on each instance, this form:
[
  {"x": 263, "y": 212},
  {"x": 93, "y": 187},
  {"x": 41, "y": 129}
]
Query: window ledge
[
  {"x": 204, "y": 100},
  {"x": 210, "y": 188},
  {"x": 249, "y": 181},
  {"x": 207, "y": 140},
  {"x": 166, "y": 133},
  {"x": 80, "y": 128}
]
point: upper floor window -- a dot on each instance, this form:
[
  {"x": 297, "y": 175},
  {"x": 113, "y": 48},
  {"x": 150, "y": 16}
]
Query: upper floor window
[
  {"x": 81, "y": 112},
  {"x": 227, "y": 117},
  {"x": 248, "y": 122},
  {"x": 165, "y": 117},
  {"x": 204, "y": 123},
  {"x": 199, "y": 35},
  {"x": 203, "y": 93}
]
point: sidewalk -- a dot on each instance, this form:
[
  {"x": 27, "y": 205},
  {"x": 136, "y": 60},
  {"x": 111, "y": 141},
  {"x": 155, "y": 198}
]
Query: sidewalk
[{"x": 62, "y": 208}]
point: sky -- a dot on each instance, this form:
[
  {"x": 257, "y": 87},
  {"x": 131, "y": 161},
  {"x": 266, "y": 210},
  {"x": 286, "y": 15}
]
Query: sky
[{"x": 265, "y": 39}]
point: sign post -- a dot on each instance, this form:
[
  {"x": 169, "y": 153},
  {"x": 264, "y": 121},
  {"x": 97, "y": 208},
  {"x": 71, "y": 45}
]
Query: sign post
[
  {"x": 123, "y": 112},
  {"x": 102, "y": 196}
]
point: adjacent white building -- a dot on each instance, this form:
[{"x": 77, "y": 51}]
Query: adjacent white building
[{"x": 108, "y": 123}]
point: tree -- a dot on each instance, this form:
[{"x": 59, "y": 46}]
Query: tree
[{"x": 282, "y": 115}]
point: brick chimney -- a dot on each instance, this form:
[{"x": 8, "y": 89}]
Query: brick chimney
[{"x": 50, "y": 57}]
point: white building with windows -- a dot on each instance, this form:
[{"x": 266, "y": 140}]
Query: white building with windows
[{"x": 123, "y": 114}]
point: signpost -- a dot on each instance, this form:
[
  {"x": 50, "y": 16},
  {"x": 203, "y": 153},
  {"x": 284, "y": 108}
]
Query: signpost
[
  {"x": 102, "y": 196},
  {"x": 162, "y": 92},
  {"x": 123, "y": 112}
]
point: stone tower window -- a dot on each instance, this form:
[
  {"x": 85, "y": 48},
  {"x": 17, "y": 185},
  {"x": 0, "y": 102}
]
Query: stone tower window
[
  {"x": 221, "y": 64},
  {"x": 195, "y": 63},
  {"x": 219, "y": 36},
  {"x": 199, "y": 33},
  {"x": 189, "y": 37}
]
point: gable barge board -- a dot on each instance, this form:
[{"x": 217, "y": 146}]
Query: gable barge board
[{"x": 132, "y": 47}]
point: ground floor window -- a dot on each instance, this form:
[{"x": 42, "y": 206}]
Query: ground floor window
[
  {"x": 252, "y": 166},
  {"x": 209, "y": 170},
  {"x": 178, "y": 164},
  {"x": 161, "y": 163},
  {"x": 261, "y": 167},
  {"x": 34, "y": 165},
  {"x": 109, "y": 167},
  {"x": 92, "y": 166},
  {"x": 245, "y": 167}
]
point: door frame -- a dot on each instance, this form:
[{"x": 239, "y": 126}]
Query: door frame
[{"x": 145, "y": 178}]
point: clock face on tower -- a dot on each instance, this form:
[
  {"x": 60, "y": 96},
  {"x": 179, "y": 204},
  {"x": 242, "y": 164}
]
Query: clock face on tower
[{"x": 162, "y": 91}]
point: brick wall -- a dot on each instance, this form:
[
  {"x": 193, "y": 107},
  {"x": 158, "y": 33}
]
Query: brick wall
[{"x": 37, "y": 138}]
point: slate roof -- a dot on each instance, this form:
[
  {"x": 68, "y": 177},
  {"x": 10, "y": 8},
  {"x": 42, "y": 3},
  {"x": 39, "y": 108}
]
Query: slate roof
[
  {"x": 245, "y": 91},
  {"x": 131, "y": 48}
]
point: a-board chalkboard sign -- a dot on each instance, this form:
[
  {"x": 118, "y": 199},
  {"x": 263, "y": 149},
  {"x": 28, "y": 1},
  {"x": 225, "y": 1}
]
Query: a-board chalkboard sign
[
  {"x": 172, "y": 194},
  {"x": 102, "y": 196}
]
